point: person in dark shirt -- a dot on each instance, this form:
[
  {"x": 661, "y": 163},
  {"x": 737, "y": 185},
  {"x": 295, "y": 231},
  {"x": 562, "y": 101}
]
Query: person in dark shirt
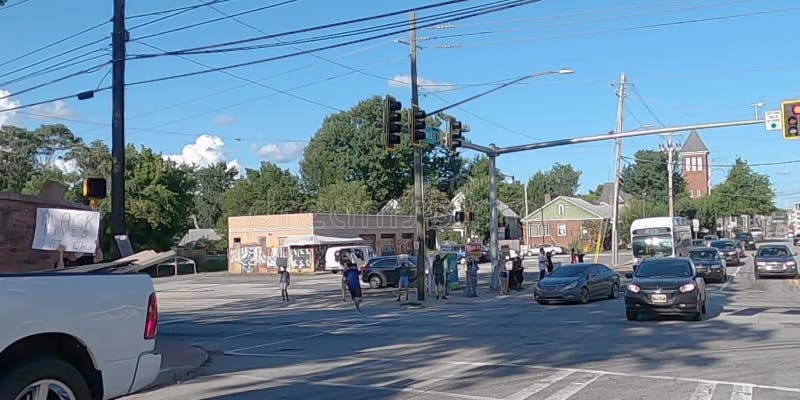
[
  {"x": 284, "y": 281},
  {"x": 352, "y": 276},
  {"x": 404, "y": 281},
  {"x": 438, "y": 276}
]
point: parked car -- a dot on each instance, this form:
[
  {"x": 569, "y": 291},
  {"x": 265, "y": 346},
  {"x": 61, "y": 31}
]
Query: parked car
[
  {"x": 358, "y": 254},
  {"x": 665, "y": 286},
  {"x": 698, "y": 243},
  {"x": 729, "y": 250},
  {"x": 758, "y": 233},
  {"x": 748, "y": 240},
  {"x": 710, "y": 238},
  {"x": 709, "y": 263},
  {"x": 548, "y": 248},
  {"x": 578, "y": 282},
  {"x": 775, "y": 260},
  {"x": 385, "y": 271},
  {"x": 797, "y": 239},
  {"x": 86, "y": 335}
]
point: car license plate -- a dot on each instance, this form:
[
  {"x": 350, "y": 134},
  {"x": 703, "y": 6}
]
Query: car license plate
[
  {"x": 774, "y": 267},
  {"x": 658, "y": 298}
]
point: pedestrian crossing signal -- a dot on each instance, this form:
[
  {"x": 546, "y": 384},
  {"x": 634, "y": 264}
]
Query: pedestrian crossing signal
[{"x": 790, "y": 118}]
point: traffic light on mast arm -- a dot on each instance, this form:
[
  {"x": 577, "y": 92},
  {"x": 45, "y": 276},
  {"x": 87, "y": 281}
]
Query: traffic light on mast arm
[
  {"x": 392, "y": 125},
  {"x": 454, "y": 136},
  {"x": 790, "y": 116},
  {"x": 417, "y": 124}
]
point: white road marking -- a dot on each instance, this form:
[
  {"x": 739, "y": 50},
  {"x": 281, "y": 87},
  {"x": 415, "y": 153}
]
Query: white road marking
[
  {"x": 539, "y": 386},
  {"x": 742, "y": 392},
  {"x": 725, "y": 286},
  {"x": 704, "y": 391},
  {"x": 427, "y": 372},
  {"x": 540, "y": 367},
  {"x": 573, "y": 388},
  {"x": 239, "y": 335}
]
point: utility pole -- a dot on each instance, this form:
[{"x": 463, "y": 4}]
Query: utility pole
[
  {"x": 118, "y": 39},
  {"x": 493, "y": 221},
  {"x": 418, "y": 203},
  {"x": 525, "y": 188},
  {"x": 670, "y": 168},
  {"x": 617, "y": 158}
]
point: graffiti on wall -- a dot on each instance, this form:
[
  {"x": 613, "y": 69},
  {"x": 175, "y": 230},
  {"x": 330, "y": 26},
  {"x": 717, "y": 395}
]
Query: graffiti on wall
[
  {"x": 301, "y": 258},
  {"x": 251, "y": 258}
]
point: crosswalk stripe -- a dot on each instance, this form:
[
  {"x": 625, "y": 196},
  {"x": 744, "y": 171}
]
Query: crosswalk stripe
[
  {"x": 742, "y": 392},
  {"x": 541, "y": 385},
  {"x": 704, "y": 391},
  {"x": 574, "y": 388}
]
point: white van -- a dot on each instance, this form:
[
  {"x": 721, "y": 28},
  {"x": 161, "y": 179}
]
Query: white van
[{"x": 359, "y": 255}]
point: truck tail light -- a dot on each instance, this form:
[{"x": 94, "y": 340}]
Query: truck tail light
[{"x": 151, "y": 323}]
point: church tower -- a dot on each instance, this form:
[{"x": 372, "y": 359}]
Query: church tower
[{"x": 694, "y": 164}]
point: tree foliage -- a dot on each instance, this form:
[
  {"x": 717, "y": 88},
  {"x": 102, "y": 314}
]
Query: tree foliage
[
  {"x": 648, "y": 176},
  {"x": 211, "y": 183},
  {"x": 345, "y": 198},
  {"x": 744, "y": 192},
  {"x": 437, "y": 204},
  {"x": 25, "y": 154},
  {"x": 560, "y": 180},
  {"x": 267, "y": 190}
]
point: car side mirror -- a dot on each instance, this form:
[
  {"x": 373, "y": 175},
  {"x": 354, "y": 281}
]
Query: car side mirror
[{"x": 629, "y": 275}]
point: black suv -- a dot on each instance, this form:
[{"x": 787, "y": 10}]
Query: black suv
[
  {"x": 747, "y": 239},
  {"x": 385, "y": 271}
]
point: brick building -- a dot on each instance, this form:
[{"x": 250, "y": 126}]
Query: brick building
[
  {"x": 17, "y": 227},
  {"x": 694, "y": 166},
  {"x": 564, "y": 221}
]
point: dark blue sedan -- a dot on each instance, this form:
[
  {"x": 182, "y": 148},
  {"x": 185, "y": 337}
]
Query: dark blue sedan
[
  {"x": 577, "y": 283},
  {"x": 775, "y": 260},
  {"x": 709, "y": 263}
]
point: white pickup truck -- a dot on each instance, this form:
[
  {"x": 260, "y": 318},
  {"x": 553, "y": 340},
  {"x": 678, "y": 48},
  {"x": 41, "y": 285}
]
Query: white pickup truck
[{"x": 81, "y": 336}]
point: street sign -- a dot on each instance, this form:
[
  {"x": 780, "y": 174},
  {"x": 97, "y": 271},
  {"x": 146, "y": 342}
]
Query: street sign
[
  {"x": 696, "y": 224},
  {"x": 432, "y": 135},
  {"x": 772, "y": 120},
  {"x": 473, "y": 249}
]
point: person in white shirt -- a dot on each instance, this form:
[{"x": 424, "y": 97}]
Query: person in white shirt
[{"x": 542, "y": 263}]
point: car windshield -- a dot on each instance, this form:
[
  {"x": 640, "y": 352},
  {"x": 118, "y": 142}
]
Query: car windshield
[
  {"x": 664, "y": 268},
  {"x": 710, "y": 238},
  {"x": 660, "y": 245},
  {"x": 703, "y": 255},
  {"x": 569, "y": 271},
  {"x": 773, "y": 252},
  {"x": 744, "y": 236},
  {"x": 724, "y": 245}
]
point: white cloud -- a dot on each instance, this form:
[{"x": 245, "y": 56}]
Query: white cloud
[
  {"x": 57, "y": 109},
  {"x": 427, "y": 85},
  {"x": 206, "y": 150},
  {"x": 66, "y": 166},
  {"x": 224, "y": 120},
  {"x": 282, "y": 153},
  {"x": 7, "y": 102}
]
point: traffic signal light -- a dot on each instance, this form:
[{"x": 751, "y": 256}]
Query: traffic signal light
[
  {"x": 470, "y": 216},
  {"x": 790, "y": 116},
  {"x": 417, "y": 124},
  {"x": 94, "y": 188},
  {"x": 454, "y": 135},
  {"x": 459, "y": 216},
  {"x": 392, "y": 127}
]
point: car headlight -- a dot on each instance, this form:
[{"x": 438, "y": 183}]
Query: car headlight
[
  {"x": 687, "y": 288},
  {"x": 791, "y": 264},
  {"x": 634, "y": 288},
  {"x": 761, "y": 264},
  {"x": 570, "y": 286}
]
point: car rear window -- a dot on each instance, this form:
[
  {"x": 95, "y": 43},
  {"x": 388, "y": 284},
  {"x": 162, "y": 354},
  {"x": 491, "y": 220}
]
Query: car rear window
[
  {"x": 703, "y": 254},
  {"x": 664, "y": 268},
  {"x": 773, "y": 252}
]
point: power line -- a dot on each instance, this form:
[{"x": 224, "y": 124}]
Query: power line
[
  {"x": 53, "y": 68},
  {"x": 646, "y": 106},
  {"x": 632, "y": 28},
  {"x": 19, "y": 3},
  {"x": 57, "y": 42},
  {"x": 253, "y": 81},
  {"x": 333, "y": 46},
  {"x": 185, "y": 8},
  {"x": 177, "y": 12},
  {"x": 764, "y": 164},
  {"x": 60, "y": 79},
  {"x": 74, "y": 49},
  {"x": 185, "y": 27}
]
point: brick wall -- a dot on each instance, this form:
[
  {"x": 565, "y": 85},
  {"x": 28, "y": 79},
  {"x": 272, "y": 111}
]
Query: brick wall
[
  {"x": 17, "y": 226},
  {"x": 573, "y": 233},
  {"x": 696, "y": 178}
]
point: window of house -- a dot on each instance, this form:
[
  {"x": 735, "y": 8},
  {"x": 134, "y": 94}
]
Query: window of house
[
  {"x": 694, "y": 163},
  {"x": 562, "y": 230},
  {"x": 688, "y": 164},
  {"x": 262, "y": 241},
  {"x": 537, "y": 230},
  {"x": 237, "y": 240},
  {"x": 699, "y": 163},
  {"x": 561, "y": 209}
]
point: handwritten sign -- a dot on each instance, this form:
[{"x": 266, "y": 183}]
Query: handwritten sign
[{"x": 76, "y": 230}]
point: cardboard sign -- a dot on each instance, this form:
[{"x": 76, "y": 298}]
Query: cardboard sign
[
  {"x": 474, "y": 249},
  {"x": 76, "y": 230}
]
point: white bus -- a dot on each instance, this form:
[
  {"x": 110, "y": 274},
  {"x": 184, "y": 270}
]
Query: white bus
[{"x": 657, "y": 237}]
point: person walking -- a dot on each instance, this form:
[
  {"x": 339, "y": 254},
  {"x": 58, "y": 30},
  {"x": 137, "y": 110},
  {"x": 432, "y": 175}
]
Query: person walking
[
  {"x": 542, "y": 263},
  {"x": 472, "y": 278},
  {"x": 549, "y": 262},
  {"x": 285, "y": 278},
  {"x": 352, "y": 276},
  {"x": 405, "y": 280},
  {"x": 573, "y": 259},
  {"x": 438, "y": 276},
  {"x": 504, "y": 276}
]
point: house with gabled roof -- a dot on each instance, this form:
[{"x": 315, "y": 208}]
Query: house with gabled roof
[{"x": 566, "y": 220}]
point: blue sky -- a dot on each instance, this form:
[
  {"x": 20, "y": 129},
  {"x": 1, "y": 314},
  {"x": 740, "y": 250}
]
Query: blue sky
[{"x": 708, "y": 71}]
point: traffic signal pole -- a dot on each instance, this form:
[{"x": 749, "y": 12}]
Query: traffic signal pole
[
  {"x": 617, "y": 161},
  {"x": 493, "y": 232},
  {"x": 418, "y": 183},
  {"x": 118, "y": 39}
]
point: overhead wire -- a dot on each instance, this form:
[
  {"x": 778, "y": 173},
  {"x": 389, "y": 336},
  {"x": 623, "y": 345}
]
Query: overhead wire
[
  {"x": 53, "y": 68},
  {"x": 12, "y": 5},
  {"x": 74, "y": 49},
  {"x": 57, "y": 42},
  {"x": 184, "y": 8},
  {"x": 174, "y": 14},
  {"x": 644, "y": 103}
]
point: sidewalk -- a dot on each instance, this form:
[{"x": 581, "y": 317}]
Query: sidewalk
[{"x": 178, "y": 361}]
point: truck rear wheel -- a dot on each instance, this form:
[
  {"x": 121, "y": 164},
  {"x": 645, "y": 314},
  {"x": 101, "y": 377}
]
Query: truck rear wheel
[{"x": 29, "y": 380}]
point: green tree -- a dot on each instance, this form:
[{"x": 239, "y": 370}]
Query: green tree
[
  {"x": 212, "y": 182},
  {"x": 476, "y": 199},
  {"x": 650, "y": 174},
  {"x": 345, "y": 198},
  {"x": 594, "y": 195},
  {"x": 267, "y": 190},
  {"x": 25, "y": 153},
  {"x": 347, "y": 147},
  {"x": 744, "y": 192},
  {"x": 513, "y": 195},
  {"x": 437, "y": 204},
  {"x": 560, "y": 180}
]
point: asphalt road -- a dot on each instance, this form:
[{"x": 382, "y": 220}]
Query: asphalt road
[{"x": 318, "y": 347}]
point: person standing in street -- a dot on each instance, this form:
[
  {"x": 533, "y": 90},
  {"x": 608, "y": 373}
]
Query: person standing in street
[
  {"x": 353, "y": 278},
  {"x": 472, "y": 278},
  {"x": 504, "y": 275},
  {"x": 438, "y": 276},
  {"x": 542, "y": 263},
  {"x": 549, "y": 262},
  {"x": 284, "y": 282},
  {"x": 405, "y": 280},
  {"x": 573, "y": 257}
]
